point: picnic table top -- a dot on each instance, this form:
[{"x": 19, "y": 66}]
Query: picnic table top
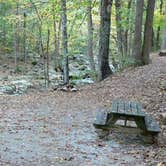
[{"x": 126, "y": 108}]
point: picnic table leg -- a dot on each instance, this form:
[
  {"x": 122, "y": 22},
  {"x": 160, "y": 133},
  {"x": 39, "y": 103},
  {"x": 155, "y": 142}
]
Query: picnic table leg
[
  {"x": 125, "y": 122},
  {"x": 140, "y": 123},
  {"x": 112, "y": 119}
]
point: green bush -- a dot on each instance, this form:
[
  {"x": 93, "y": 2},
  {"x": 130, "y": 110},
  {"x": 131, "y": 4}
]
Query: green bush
[
  {"x": 19, "y": 69},
  {"x": 126, "y": 61}
]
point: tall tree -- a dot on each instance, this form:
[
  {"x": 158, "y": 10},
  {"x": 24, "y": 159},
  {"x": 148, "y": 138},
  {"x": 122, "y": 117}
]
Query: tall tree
[
  {"x": 64, "y": 43},
  {"x": 138, "y": 32},
  {"x": 17, "y": 36},
  {"x": 24, "y": 40},
  {"x": 126, "y": 31},
  {"x": 148, "y": 32},
  {"x": 119, "y": 26},
  {"x": 159, "y": 28},
  {"x": 163, "y": 45},
  {"x": 104, "y": 39},
  {"x": 56, "y": 28},
  {"x": 90, "y": 36}
]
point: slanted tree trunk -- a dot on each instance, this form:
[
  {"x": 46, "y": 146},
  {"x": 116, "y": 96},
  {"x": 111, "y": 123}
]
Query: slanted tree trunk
[
  {"x": 138, "y": 32},
  {"x": 90, "y": 36},
  {"x": 148, "y": 32},
  {"x": 104, "y": 38},
  {"x": 64, "y": 43}
]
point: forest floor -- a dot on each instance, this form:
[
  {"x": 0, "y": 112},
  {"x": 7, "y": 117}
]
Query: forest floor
[{"x": 52, "y": 128}]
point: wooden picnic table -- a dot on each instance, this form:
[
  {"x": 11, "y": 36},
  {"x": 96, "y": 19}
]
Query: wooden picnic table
[{"x": 127, "y": 111}]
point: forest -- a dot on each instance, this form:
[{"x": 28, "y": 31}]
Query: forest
[
  {"x": 64, "y": 62},
  {"x": 56, "y": 34}
]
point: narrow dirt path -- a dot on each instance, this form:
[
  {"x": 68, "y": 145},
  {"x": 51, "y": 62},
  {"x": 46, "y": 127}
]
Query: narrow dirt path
[{"x": 55, "y": 128}]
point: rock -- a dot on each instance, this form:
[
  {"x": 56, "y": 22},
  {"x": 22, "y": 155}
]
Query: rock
[
  {"x": 163, "y": 118},
  {"x": 8, "y": 89},
  {"x": 12, "y": 72},
  {"x": 162, "y": 53},
  {"x": 5, "y": 66},
  {"x": 65, "y": 89},
  {"x": 74, "y": 90},
  {"x": 162, "y": 139},
  {"x": 83, "y": 81},
  {"x": 5, "y": 78},
  {"x": 162, "y": 136}
]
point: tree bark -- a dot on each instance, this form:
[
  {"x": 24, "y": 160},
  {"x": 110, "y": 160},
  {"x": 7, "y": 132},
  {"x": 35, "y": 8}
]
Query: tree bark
[
  {"x": 118, "y": 26},
  {"x": 148, "y": 32},
  {"x": 48, "y": 60},
  {"x": 159, "y": 28},
  {"x": 24, "y": 46},
  {"x": 90, "y": 36},
  {"x": 56, "y": 45},
  {"x": 163, "y": 45},
  {"x": 4, "y": 34},
  {"x": 138, "y": 32},
  {"x": 125, "y": 36},
  {"x": 104, "y": 39},
  {"x": 16, "y": 37},
  {"x": 64, "y": 43},
  {"x": 131, "y": 28}
]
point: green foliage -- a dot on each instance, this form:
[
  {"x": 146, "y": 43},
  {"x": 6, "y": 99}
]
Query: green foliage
[
  {"x": 6, "y": 49},
  {"x": 159, "y": 19},
  {"x": 77, "y": 27},
  {"x": 19, "y": 69},
  {"x": 126, "y": 61}
]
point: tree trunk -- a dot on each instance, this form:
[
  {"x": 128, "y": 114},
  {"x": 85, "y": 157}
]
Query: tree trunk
[
  {"x": 131, "y": 28},
  {"x": 47, "y": 58},
  {"x": 56, "y": 50},
  {"x": 16, "y": 38},
  {"x": 163, "y": 45},
  {"x": 64, "y": 43},
  {"x": 138, "y": 32},
  {"x": 24, "y": 42},
  {"x": 104, "y": 38},
  {"x": 159, "y": 28},
  {"x": 125, "y": 35},
  {"x": 148, "y": 32},
  {"x": 90, "y": 37},
  {"x": 118, "y": 26},
  {"x": 4, "y": 34}
]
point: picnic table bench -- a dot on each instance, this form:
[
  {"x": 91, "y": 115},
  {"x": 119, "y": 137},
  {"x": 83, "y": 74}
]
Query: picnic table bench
[{"x": 127, "y": 111}]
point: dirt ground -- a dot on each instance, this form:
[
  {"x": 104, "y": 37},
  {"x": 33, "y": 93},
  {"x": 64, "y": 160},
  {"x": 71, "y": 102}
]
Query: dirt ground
[{"x": 52, "y": 128}]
